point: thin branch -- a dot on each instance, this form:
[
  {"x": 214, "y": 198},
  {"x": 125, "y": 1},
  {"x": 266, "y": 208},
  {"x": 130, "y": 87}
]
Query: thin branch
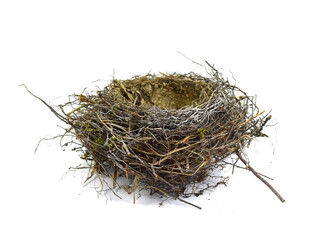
[
  {"x": 238, "y": 153},
  {"x": 234, "y": 166},
  {"x": 191, "y": 204},
  {"x": 168, "y": 195},
  {"x": 62, "y": 118},
  {"x": 199, "y": 64}
]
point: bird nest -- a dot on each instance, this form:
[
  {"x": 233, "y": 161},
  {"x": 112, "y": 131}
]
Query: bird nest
[{"x": 166, "y": 133}]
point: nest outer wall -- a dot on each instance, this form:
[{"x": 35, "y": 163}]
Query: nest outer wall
[{"x": 166, "y": 132}]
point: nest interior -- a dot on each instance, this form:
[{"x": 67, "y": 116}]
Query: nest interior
[
  {"x": 165, "y": 133},
  {"x": 165, "y": 91}
]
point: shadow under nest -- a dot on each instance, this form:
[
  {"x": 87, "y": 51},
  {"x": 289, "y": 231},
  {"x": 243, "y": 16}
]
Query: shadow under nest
[{"x": 166, "y": 132}]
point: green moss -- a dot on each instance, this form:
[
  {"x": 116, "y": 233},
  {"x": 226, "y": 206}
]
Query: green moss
[
  {"x": 202, "y": 132},
  {"x": 100, "y": 141}
]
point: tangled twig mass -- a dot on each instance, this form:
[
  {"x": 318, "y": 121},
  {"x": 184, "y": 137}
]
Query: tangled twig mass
[{"x": 166, "y": 133}]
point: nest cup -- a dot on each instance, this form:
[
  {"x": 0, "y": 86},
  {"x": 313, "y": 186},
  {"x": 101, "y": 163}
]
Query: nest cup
[{"x": 166, "y": 133}]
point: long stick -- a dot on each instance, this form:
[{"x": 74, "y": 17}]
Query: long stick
[
  {"x": 260, "y": 177},
  {"x": 62, "y": 118}
]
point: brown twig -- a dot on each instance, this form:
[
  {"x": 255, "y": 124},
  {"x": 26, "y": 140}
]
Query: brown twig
[
  {"x": 238, "y": 153},
  {"x": 236, "y": 166},
  {"x": 62, "y": 118}
]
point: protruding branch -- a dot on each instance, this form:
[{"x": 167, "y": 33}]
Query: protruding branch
[
  {"x": 238, "y": 153},
  {"x": 50, "y": 107}
]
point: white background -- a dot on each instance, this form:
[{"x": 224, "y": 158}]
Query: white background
[{"x": 274, "y": 49}]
